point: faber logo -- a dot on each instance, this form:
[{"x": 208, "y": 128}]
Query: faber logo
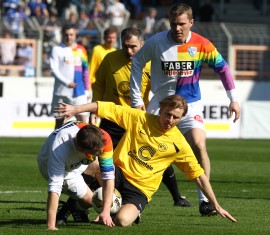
[{"x": 178, "y": 68}]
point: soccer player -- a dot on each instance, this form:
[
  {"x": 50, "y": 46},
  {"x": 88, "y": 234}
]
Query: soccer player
[
  {"x": 100, "y": 51},
  {"x": 150, "y": 144},
  {"x": 176, "y": 57},
  {"x": 113, "y": 84},
  {"x": 67, "y": 153},
  {"x": 69, "y": 65}
]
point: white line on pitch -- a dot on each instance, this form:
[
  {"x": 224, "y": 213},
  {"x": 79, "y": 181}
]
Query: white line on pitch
[{"x": 10, "y": 192}]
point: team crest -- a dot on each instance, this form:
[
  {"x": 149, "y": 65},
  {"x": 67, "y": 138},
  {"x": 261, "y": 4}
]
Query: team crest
[
  {"x": 162, "y": 147},
  {"x": 192, "y": 51},
  {"x": 124, "y": 87}
]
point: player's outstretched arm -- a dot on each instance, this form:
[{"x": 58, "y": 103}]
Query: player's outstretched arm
[
  {"x": 52, "y": 204},
  {"x": 67, "y": 111},
  {"x": 206, "y": 187}
]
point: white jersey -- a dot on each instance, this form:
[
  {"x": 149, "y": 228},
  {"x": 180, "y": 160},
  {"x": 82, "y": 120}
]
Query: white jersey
[
  {"x": 69, "y": 65},
  {"x": 176, "y": 68},
  {"x": 161, "y": 49},
  {"x": 59, "y": 159}
]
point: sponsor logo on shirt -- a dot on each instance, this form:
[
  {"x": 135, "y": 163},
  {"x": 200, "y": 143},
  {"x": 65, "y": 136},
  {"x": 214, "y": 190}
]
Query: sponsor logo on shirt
[
  {"x": 178, "y": 68},
  {"x": 78, "y": 164},
  {"x": 145, "y": 153},
  {"x": 73, "y": 60},
  {"x": 198, "y": 118}
]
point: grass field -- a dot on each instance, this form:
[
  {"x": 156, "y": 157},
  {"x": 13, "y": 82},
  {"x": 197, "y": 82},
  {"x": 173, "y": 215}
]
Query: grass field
[{"x": 240, "y": 178}]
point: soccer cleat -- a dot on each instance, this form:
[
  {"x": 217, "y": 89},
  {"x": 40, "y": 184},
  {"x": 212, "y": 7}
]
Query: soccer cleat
[
  {"x": 183, "y": 202},
  {"x": 79, "y": 216},
  {"x": 138, "y": 219},
  {"x": 206, "y": 209},
  {"x": 62, "y": 213}
]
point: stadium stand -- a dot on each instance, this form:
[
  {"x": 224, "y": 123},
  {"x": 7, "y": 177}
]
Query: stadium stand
[{"x": 243, "y": 39}]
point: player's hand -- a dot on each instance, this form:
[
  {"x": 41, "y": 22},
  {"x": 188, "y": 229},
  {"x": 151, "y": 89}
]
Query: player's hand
[
  {"x": 104, "y": 218},
  {"x": 234, "y": 108},
  {"x": 141, "y": 107},
  {"x": 94, "y": 119},
  {"x": 65, "y": 111},
  {"x": 72, "y": 85},
  {"x": 225, "y": 214},
  {"x": 52, "y": 228}
]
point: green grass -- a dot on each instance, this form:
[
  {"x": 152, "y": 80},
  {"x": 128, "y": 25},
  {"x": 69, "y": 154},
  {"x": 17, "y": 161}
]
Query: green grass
[{"x": 240, "y": 178}]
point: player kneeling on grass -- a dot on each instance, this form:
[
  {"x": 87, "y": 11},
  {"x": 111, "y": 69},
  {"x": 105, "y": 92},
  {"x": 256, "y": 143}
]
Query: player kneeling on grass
[
  {"x": 66, "y": 154},
  {"x": 150, "y": 144}
]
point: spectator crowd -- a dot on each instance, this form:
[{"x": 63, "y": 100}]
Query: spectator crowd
[{"x": 19, "y": 19}]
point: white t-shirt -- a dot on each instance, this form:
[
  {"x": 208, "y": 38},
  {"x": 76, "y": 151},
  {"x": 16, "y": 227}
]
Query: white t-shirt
[{"x": 59, "y": 159}]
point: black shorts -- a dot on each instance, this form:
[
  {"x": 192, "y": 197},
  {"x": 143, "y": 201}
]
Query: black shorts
[{"x": 130, "y": 194}]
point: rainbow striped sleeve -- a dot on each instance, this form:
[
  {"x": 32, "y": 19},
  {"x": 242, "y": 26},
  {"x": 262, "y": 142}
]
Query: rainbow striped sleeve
[
  {"x": 106, "y": 158},
  {"x": 197, "y": 51}
]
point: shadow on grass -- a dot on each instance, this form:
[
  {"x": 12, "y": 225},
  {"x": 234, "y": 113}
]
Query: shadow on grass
[
  {"x": 18, "y": 202},
  {"x": 22, "y": 222}
]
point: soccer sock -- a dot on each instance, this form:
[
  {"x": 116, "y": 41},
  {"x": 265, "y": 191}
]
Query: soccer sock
[
  {"x": 169, "y": 180},
  {"x": 201, "y": 196}
]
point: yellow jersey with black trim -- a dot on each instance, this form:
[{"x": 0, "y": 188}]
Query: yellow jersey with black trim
[
  {"x": 113, "y": 80},
  {"x": 145, "y": 152}
]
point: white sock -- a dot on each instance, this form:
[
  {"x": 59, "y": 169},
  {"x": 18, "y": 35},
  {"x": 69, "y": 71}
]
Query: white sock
[{"x": 201, "y": 196}]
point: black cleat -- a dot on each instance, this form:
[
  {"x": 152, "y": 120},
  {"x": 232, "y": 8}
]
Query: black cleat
[
  {"x": 183, "y": 202},
  {"x": 62, "y": 213},
  {"x": 206, "y": 209},
  {"x": 138, "y": 219},
  {"x": 79, "y": 216}
]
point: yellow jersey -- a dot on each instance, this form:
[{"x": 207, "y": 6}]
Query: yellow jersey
[{"x": 145, "y": 151}]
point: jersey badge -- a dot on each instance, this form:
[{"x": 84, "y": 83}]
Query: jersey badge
[{"x": 192, "y": 51}]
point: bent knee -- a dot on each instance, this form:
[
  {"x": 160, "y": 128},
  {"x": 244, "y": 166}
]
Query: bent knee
[{"x": 123, "y": 221}]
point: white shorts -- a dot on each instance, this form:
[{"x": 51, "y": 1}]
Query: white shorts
[
  {"x": 193, "y": 118},
  {"x": 69, "y": 100},
  {"x": 76, "y": 187},
  {"x": 153, "y": 106}
]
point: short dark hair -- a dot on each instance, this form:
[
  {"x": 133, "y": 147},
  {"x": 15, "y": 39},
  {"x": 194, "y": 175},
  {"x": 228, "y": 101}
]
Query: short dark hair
[
  {"x": 68, "y": 26},
  {"x": 180, "y": 9},
  {"x": 127, "y": 33},
  {"x": 91, "y": 138},
  {"x": 110, "y": 30},
  {"x": 174, "y": 102}
]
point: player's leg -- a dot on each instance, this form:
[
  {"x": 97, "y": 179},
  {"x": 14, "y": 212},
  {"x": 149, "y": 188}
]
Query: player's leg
[
  {"x": 82, "y": 117},
  {"x": 92, "y": 173},
  {"x": 80, "y": 199},
  {"x": 169, "y": 180},
  {"x": 133, "y": 201},
  {"x": 192, "y": 127},
  {"x": 196, "y": 139},
  {"x": 126, "y": 215}
]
